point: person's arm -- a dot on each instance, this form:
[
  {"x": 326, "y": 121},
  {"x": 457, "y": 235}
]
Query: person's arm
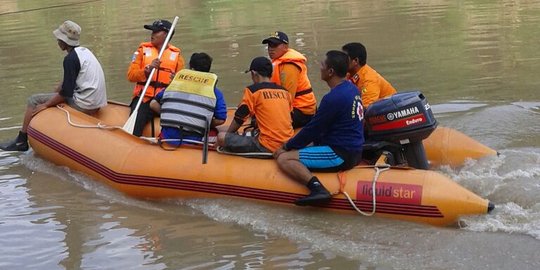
[
  {"x": 245, "y": 109},
  {"x": 155, "y": 103},
  {"x": 239, "y": 117},
  {"x": 289, "y": 75},
  {"x": 234, "y": 126},
  {"x": 155, "y": 106},
  {"x": 220, "y": 111},
  {"x": 72, "y": 66},
  {"x": 136, "y": 71},
  {"x": 58, "y": 87},
  {"x": 216, "y": 122}
]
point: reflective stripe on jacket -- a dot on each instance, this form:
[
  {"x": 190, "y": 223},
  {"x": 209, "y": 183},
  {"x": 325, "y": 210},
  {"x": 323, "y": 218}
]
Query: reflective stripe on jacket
[
  {"x": 171, "y": 62},
  {"x": 189, "y": 101}
]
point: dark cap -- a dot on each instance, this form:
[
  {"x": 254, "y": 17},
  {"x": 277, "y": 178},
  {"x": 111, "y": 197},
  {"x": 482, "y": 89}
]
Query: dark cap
[
  {"x": 159, "y": 25},
  {"x": 276, "y": 37},
  {"x": 261, "y": 65}
]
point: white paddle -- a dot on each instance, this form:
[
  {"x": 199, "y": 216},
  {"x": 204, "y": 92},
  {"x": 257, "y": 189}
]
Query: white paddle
[{"x": 130, "y": 123}]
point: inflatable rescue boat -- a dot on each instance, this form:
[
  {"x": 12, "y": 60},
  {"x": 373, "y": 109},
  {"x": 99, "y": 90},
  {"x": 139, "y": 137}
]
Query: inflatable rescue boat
[{"x": 97, "y": 146}]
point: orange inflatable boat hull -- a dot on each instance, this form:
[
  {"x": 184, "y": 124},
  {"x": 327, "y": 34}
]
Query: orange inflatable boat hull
[
  {"x": 140, "y": 169},
  {"x": 446, "y": 146}
]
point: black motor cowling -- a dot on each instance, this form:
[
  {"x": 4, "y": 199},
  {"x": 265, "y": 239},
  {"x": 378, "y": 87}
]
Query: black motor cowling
[{"x": 398, "y": 124}]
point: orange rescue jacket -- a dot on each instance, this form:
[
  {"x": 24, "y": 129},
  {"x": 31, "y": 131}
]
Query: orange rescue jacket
[
  {"x": 271, "y": 105},
  {"x": 171, "y": 62},
  {"x": 303, "y": 96},
  {"x": 372, "y": 85}
]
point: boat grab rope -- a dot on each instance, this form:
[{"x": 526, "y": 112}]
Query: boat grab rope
[
  {"x": 98, "y": 125},
  {"x": 261, "y": 155},
  {"x": 379, "y": 168}
]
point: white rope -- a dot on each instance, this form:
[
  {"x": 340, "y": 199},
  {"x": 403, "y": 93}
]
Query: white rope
[
  {"x": 152, "y": 140},
  {"x": 378, "y": 170},
  {"x": 99, "y": 125}
]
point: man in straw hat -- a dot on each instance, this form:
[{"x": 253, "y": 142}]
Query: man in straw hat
[{"x": 83, "y": 87}]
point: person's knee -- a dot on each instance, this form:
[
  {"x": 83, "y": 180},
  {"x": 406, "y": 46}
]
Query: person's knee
[
  {"x": 284, "y": 158},
  {"x": 34, "y": 100},
  {"x": 31, "y": 102},
  {"x": 221, "y": 138},
  {"x": 280, "y": 160}
]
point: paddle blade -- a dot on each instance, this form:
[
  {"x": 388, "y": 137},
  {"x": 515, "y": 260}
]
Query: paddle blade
[{"x": 129, "y": 126}]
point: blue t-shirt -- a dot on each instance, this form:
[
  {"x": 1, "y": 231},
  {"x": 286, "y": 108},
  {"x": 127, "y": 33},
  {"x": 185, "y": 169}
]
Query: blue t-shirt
[
  {"x": 338, "y": 121},
  {"x": 220, "y": 112}
]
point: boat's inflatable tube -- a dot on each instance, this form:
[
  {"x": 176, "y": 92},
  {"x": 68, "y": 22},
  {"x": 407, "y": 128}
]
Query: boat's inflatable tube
[
  {"x": 138, "y": 168},
  {"x": 446, "y": 146}
]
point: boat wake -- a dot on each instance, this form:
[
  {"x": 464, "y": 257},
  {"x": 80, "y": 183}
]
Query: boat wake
[
  {"x": 511, "y": 181},
  {"x": 371, "y": 241},
  {"x": 510, "y": 218},
  {"x": 346, "y": 235}
]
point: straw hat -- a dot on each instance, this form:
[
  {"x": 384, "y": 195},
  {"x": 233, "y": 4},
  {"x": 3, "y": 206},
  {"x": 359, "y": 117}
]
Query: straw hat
[{"x": 68, "y": 32}]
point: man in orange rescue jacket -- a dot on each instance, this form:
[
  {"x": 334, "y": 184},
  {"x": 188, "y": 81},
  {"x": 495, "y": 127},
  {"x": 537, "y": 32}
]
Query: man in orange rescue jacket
[
  {"x": 142, "y": 62},
  {"x": 270, "y": 104},
  {"x": 371, "y": 84},
  {"x": 290, "y": 71}
]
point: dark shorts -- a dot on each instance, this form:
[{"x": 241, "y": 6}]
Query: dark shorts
[
  {"x": 243, "y": 144},
  {"x": 299, "y": 118},
  {"x": 144, "y": 116},
  {"x": 325, "y": 158}
]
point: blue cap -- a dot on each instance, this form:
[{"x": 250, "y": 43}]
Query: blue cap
[{"x": 276, "y": 37}]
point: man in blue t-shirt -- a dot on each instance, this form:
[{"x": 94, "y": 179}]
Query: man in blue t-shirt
[
  {"x": 336, "y": 131},
  {"x": 198, "y": 62}
]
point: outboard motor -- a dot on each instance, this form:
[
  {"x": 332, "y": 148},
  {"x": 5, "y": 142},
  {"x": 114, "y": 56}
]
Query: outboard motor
[{"x": 398, "y": 125}]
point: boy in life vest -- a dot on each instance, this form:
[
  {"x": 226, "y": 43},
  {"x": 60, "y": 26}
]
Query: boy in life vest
[
  {"x": 142, "y": 62},
  {"x": 199, "y": 62},
  {"x": 332, "y": 141},
  {"x": 270, "y": 104},
  {"x": 371, "y": 84},
  {"x": 290, "y": 71},
  {"x": 83, "y": 87}
]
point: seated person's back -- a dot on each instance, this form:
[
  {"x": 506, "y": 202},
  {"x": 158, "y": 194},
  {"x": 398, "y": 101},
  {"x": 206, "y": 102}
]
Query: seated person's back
[
  {"x": 270, "y": 104},
  {"x": 191, "y": 97}
]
